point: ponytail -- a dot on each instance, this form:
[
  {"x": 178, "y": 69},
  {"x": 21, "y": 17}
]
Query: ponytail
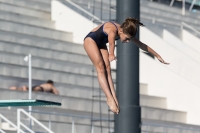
[{"x": 129, "y": 26}]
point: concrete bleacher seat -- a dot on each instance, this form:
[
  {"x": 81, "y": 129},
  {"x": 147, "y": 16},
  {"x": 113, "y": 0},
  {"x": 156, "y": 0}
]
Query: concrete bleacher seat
[
  {"x": 37, "y": 5},
  {"x": 19, "y": 18},
  {"x": 24, "y": 10},
  {"x": 35, "y": 41},
  {"x": 35, "y": 31}
]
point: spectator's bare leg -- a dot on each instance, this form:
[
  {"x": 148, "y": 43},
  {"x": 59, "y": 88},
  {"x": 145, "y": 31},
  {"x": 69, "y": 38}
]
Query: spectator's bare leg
[{"x": 13, "y": 88}]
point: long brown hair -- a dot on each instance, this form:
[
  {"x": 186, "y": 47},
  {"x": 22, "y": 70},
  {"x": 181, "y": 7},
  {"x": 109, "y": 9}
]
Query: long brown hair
[{"x": 129, "y": 26}]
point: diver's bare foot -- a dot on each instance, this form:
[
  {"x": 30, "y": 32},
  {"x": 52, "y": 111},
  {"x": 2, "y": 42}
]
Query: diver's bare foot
[
  {"x": 116, "y": 101},
  {"x": 117, "y": 104},
  {"x": 113, "y": 107}
]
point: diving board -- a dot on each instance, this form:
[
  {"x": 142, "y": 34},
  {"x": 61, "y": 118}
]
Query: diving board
[{"x": 36, "y": 102}]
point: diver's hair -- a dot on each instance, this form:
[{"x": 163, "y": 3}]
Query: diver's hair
[
  {"x": 50, "y": 82},
  {"x": 129, "y": 26}
]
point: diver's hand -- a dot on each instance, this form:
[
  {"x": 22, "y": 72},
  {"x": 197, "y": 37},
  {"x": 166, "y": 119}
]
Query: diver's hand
[
  {"x": 161, "y": 60},
  {"x": 112, "y": 57}
]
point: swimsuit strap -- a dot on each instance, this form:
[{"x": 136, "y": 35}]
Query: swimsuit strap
[{"x": 114, "y": 24}]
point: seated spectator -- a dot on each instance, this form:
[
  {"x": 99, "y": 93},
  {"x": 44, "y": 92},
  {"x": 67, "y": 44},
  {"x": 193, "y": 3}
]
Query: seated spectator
[{"x": 45, "y": 87}]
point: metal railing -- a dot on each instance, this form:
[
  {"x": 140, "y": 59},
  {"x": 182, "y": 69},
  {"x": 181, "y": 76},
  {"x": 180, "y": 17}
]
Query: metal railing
[
  {"x": 146, "y": 126},
  {"x": 183, "y": 6},
  {"x": 67, "y": 115},
  {"x": 183, "y": 24},
  {"x": 9, "y": 122},
  {"x": 2, "y": 131},
  {"x": 19, "y": 123},
  {"x": 85, "y": 11},
  {"x": 165, "y": 128}
]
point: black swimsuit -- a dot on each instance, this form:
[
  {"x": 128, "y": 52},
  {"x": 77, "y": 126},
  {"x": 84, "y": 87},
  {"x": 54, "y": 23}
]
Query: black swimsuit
[
  {"x": 41, "y": 88},
  {"x": 100, "y": 37}
]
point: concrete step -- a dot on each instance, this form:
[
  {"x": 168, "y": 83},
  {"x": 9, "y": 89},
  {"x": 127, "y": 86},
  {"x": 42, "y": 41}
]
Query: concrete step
[
  {"x": 19, "y": 18},
  {"x": 36, "y": 52},
  {"x": 41, "y": 42},
  {"x": 162, "y": 7},
  {"x": 24, "y": 11},
  {"x": 149, "y": 19},
  {"x": 34, "y": 30},
  {"x": 42, "y": 74},
  {"x": 153, "y": 101},
  {"x": 168, "y": 14},
  {"x": 44, "y": 1},
  {"x": 166, "y": 18},
  {"x": 29, "y": 4},
  {"x": 64, "y": 88},
  {"x": 68, "y": 103},
  {"x": 169, "y": 127},
  {"x": 17, "y": 71},
  {"x": 85, "y": 106},
  {"x": 50, "y": 64}
]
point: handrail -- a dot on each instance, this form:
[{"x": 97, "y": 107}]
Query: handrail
[
  {"x": 142, "y": 124},
  {"x": 61, "y": 114},
  {"x": 32, "y": 118},
  {"x": 1, "y": 131},
  {"x": 169, "y": 126},
  {"x": 12, "y": 124},
  {"x": 27, "y": 128},
  {"x": 85, "y": 11},
  {"x": 69, "y": 115},
  {"x": 190, "y": 27}
]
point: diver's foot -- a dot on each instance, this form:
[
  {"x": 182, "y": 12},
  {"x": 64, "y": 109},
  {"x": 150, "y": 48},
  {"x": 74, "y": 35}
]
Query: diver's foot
[{"x": 113, "y": 107}]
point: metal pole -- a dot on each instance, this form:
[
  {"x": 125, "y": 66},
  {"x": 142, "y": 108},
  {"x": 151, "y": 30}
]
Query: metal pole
[
  {"x": 92, "y": 131},
  {"x": 183, "y": 7},
  {"x": 172, "y": 2},
  {"x": 73, "y": 126},
  {"x": 49, "y": 121},
  {"x": 30, "y": 85},
  {"x": 18, "y": 121},
  {"x": 191, "y": 6},
  {"x": 101, "y": 9},
  {"x": 29, "y": 78},
  {"x": 129, "y": 118},
  {"x": 110, "y": 10}
]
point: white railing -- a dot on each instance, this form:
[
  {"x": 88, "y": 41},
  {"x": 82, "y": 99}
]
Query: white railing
[
  {"x": 165, "y": 128},
  {"x": 146, "y": 127},
  {"x": 85, "y": 11},
  {"x": 9, "y": 122},
  {"x": 19, "y": 123},
  {"x": 183, "y": 24},
  {"x": 1, "y": 131},
  {"x": 73, "y": 123}
]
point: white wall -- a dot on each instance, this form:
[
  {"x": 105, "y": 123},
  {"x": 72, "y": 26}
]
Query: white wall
[
  {"x": 187, "y": 64},
  {"x": 70, "y": 21},
  {"x": 191, "y": 40},
  {"x": 171, "y": 81}
]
